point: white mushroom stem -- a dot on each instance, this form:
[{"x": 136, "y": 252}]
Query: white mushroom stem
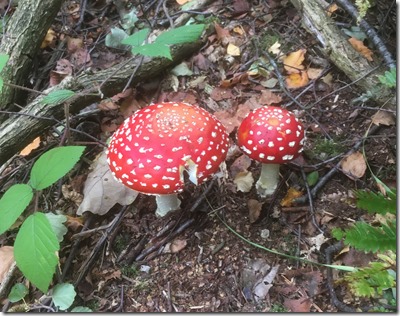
[
  {"x": 268, "y": 181},
  {"x": 167, "y": 203}
]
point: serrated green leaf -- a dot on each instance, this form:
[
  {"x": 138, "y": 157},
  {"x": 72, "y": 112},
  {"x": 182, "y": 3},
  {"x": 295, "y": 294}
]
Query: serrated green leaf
[
  {"x": 81, "y": 309},
  {"x": 375, "y": 202},
  {"x": 183, "y": 34},
  {"x": 13, "y": 203},
  {"x": 58, "y": 96},
  {"x": 3, "y": 60},
  {"x": 389, "y": 79},
  {"x": 137, "y": 38},
  {"x": 153, "y": 50},
  {"x": 53, "y": 165},
  {"x": 115, "y": 37},
  {"x": 312, "y": 178},
  {"x": 63, "y": 295},
  {"x": 35, "y": 250},
  {"x": 17, "y": 293},
  {"x": 57, "y": 224}
]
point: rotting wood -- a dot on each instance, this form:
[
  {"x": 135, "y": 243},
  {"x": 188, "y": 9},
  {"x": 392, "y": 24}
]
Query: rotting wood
[
  {"x": 21, "y": 41},
  {"x": 336, "y": 47},
  {"x": 20, "y": 130}
]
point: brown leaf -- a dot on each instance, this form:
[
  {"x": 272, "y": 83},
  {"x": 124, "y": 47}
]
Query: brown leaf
[
  {"x": 255, "y": 208},
  {"x": 218, "y": 94},
  {"x": 237, "y": 78},
  {"x": 222, "y": 34},
  {"x": 81, "y": 57},
  {"x": 48, "y": 39},
  {"x": 73, "y": 44},
  {"x": 301, "y": 305},
  {"x": 242, "y": 163},
  {"x": 314, "y": 73},
  {"x": 293, "y": 61},
  {"x": 28, "y": 149},
  {"x": 268, "y": 98},
  {"x": 361, "y": 48},
  {"x": 6, "y": 260},
  {"x": 332, "y": 8},
  {"x": 175, "y": 246},
  {"x": 354, "y": 165},
  {"x": 383, "y": 118}
]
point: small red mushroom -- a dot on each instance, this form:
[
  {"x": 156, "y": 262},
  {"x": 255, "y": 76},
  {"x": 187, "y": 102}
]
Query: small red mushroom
[
  {"x": 272, "y": 136},
  {"x": 151, "y": 150}
]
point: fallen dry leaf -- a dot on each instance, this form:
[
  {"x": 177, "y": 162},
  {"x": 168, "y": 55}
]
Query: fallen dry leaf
[
  {"x": 175, "y": 246},
  {"x": 218, "y": 94},
  {"x": 6, "y": 260},
  {"x": 222, "y": 34},
  {"x": 332, "y": 8},
  {"x": 314, "y": 73},
  {"x": 354, "y": 165},
  {"x": 73, "y": 44},
  {"x": 291, "y": 194},
  {"x": 297, "y": 80},
  {"x": 255, "y": 208},
  {"x": 262, "y": 286},
  {"x": 293, "y": 61},
  {"x": 233, "y": 50},
  {"x": 242, "y": 163},
  {"x": 74, "y": 223},
  {"x": 48, "y": 39},
  {"x": 275, "y": 48},
  {"x": 244, "y": 181},
  {"x": 102, "y": 191},
  {"x": 239, "y": 30},
  {"x": 28, "y": 149},
  {"x": 268, "y": 97},
  {"x": 383, "y": 118},
  {"x": 300, "y": 305},
  {"x": 361, "y": 48}
]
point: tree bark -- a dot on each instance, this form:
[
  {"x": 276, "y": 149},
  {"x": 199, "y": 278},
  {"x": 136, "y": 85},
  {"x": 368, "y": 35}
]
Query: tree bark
[
  {"x": 19, "y": 130},
  {"x": 336, "y": 47},
  {"x": 22, "y": 39}
]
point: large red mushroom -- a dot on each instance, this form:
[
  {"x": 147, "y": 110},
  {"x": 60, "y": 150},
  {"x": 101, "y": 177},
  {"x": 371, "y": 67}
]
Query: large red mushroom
[
  {"x": 272, "y": 136},
  {"x": 153, "y": 148}
]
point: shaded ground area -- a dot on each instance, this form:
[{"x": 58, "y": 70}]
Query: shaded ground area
[{"x": 190, "y": 260}]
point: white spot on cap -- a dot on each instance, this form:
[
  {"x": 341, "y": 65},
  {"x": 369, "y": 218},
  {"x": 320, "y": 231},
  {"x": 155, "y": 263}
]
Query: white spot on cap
[
  {"x": 261, "y": 155},
  {"x": 129, "y": 161},
  {"x": 291, "y": 144},
  {"x": 270, "y": 157},
  {"x": 125, "y": 176},
  {"x": 154, "y": 185},
  {"x": 120, "y": 156},
  {"x": 157, "y": 167},
  {"x": 158, "y": 156},
  {"x": 129, "y": 183},
  {"x": 175, "y": 149},
  {"x": 141, "y": 166},
  {"x": 170, "y": 160},
  {"x": 271, "y": 144},
  {"x": 127, "y": 148},
  {"x": 214, "y": 158},
  {"x": 166, "y": 186},
  {"x": 281, "y": 148},
  {"x": 249, "y": 142},
  {"x": 287, "y": 157},
  {"x": 246, "y": 150},
  {"x": 288, "y": 131},
  {"x": 147, "y": 176},
  {"x": 261, "y": 141}
]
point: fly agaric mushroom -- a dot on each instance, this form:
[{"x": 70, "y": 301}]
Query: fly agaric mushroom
[
  {"x": 151, "y": 150},
  {"x": 272, "y": 136}
]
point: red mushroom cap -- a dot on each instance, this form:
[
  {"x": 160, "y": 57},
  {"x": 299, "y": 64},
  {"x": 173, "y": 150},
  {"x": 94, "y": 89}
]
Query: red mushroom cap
[
  {"x": 271, "y": 135},
  {"x": 152, "y": 148}
]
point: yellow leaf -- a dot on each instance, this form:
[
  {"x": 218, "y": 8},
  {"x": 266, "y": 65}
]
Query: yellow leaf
[
  {"x": 290, "y": 196},
  {"x": 361, "y": 48},
  {"x": 239, "y": 30},
  {"x": 233, "y": 50},
  {"x": 294, "y": 81},
  {"x": 293, "y": 61},
  {"x": 48, "y": 38},
  {"x": 28, "y": 149}
]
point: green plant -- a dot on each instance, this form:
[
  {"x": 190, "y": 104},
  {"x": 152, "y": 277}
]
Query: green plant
[
  {"x": 38, "y": 239},
  {"x": 278, "y": 308},
  {"x": 389, "y": 79},
  {"x": 371, "y": 281}
]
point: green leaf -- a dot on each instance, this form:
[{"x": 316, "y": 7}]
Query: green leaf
[
  {"x": 356, "y": 32},
  {"x": 13, "y": 203},
  {"x": 3, "y": 60},
  {"x": 53, "y": 165},
  {"x": 35, "y": 250},
  {"x": 58, "y": 96},
  {"x": 312, "y": 178},
  {"x": 115, "y": 37},
  {"x": 181, "y": 70},
  {"x": 129, "y": 20},
  {"x": 375, "y": 202},
  {"x": 57, "y": 224},
  {"x": 153, "y": 50},
  {"x": 17, "y": 293},
  {"x": 81, "y": 309},
  {"x": 183, "y": 34},
  {"x": 137, "y": 38},
  {"x": 389, "y": 79},
  {"x": 63, "y": 295}
]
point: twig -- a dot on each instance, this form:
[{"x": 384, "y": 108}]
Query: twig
[
  {"x": 93, "y": 255},
  {"x": 82, "y": 14},
  {"x": 322, "y": 181},
  {"x": 370, "y": 31}
]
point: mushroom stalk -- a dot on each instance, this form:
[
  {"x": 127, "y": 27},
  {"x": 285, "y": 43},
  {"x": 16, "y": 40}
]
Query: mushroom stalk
[
  {"x": 167, "y": 203},
  {"x": 268, "y": 180}
]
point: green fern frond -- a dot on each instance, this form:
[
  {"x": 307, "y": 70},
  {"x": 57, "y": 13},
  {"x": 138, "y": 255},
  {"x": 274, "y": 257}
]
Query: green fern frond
[
  {"x": 365, "y": 237},
  {"x": 375, "y": 202},
  {"x": 370, "y": 281}
]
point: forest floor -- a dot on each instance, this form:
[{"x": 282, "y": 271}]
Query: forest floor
[{"x": 197, "y": 264}]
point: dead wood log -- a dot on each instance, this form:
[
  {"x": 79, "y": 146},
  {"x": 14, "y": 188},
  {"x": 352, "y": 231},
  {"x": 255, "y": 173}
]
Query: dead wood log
[
  {"x": 335, "y": 46},
  {"x": 23, "y": 127},
  {"x": 23, "y": 36}
]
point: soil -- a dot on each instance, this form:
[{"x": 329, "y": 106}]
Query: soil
[{"x": 190, "y": 261}]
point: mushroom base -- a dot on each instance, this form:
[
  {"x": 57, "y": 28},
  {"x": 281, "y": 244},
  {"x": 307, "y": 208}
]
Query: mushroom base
[
  {"x": 167, "y": 203},
  {"x": 268, "y": 181}
]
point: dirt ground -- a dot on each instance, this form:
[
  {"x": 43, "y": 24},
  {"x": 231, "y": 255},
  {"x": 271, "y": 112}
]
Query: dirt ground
[{"x": 189, "y": 261}]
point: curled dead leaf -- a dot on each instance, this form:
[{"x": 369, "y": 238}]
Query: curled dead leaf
[
  {"x": 244, "y": 181},
  {"x": 354, "y": 165}
]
